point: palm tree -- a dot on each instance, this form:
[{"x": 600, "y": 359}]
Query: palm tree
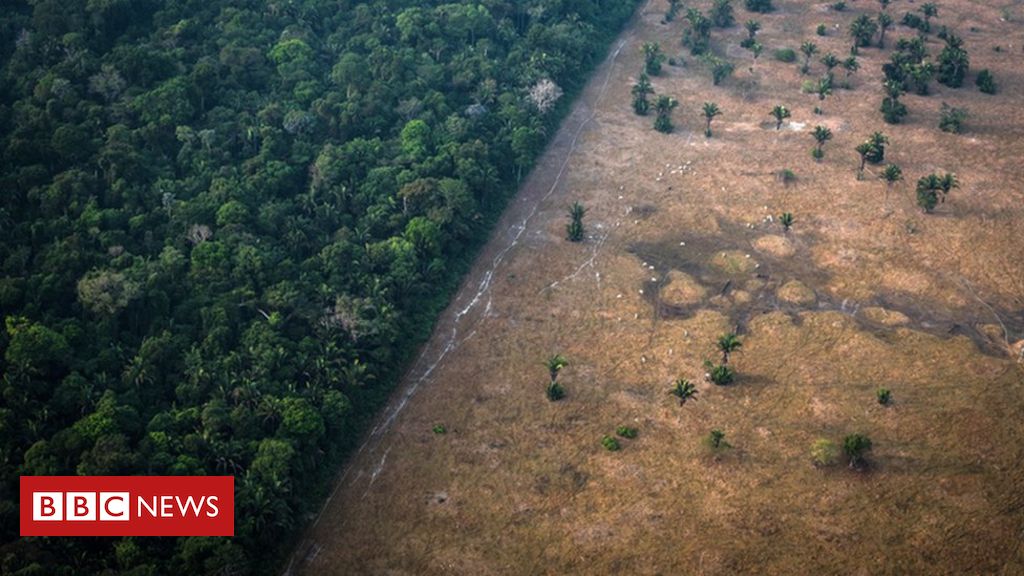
[
  {"x": 809, "y": 49},
  {"x": 727, "y": 344},
  {"x": 821, "y": 135},
  {"x": 863, "y": 30},
  {"x": 786, "y": 219},
  {"x": 830, "y": 61},
  {"x": 854, "y": 446},
  {"x": 555, "y": 365},
  {"x": 780, "y": 113},
  {"x": 663, "y": 107},
  {"x": 947, "y": 182},
  {"x": 652, "y": 58},
  {"x": 877, "y": 153},
  {"x": 850, "y": 65},
  {"x": 884, "y": 21},
  {"x": 752, "y": 26},
  {"x": 640, "y": 91},
  {"x": 683, "y": 390},
  {"x": 929, "y": 9},
  {"x": 863, "y": 149},
  {"x": 823, "y": 87},
  {"x": 710, "y": 111},
  {"x": 574, "y": 230},
  {"x": 891, "y": 174}
]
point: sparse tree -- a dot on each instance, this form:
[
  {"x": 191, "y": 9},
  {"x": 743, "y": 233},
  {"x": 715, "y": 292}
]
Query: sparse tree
[
  {"x": 855, "y": 446},
  {"x": 716, "y": 440},
  {"x": 953, "y": 62},
  {"x": 710, "y": 111},
  {"x": 683, "y": 390},
  {"x": 863, "y": 150},
  {"x": 930, "y": 10},
  {"x": 640, "y": 91},
  {"x": 808, "y": 49},
  {"x": 823, "y": 87},
  {"x": 574, "y": 230},
  {"x": 932, "y": 189},
  {"x": 884, "y": 22},
  {"x": 697, "y": 36},
  {"x": 673, "y": 10},
  {"x": 850, "y": 65},
  {"x": 892, "y": 109},
  {"x": 663, "y": 108},
  {"x": 721, "y": 14},
  {"x": 830, "y": 61},
  {"x": 891, "y": 174},
  {"x": 653, "y": 58},
  {"x": 877, "y": 153},
  {"x": 821, "y": 135},
  {"x": 786, "y": 219},
  {"x": 863, "y": 30},
  {"x": 727, "y": 344},
  {"x": 752, "y": 27},
  {"x": 720, "y": 69},
  {"x": 951, "y": 119},
  {"x": 986, "y": 82},
  {"x": 555, "y": 364},
  {"x": 780, "y": 113}
]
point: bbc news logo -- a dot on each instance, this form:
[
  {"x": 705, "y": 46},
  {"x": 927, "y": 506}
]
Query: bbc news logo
[{"x": 127, "y": 506}]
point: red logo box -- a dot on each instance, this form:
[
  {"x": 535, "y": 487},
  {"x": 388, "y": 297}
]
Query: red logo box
[{"x": 127, "y": 506}]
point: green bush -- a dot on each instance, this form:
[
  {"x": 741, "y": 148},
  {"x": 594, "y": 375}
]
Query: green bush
[
  {"x": 762, "y": 6},
  {"x": 554, "y": 391},
  {"x": 824, "y": 453},
  {"x": 626, "y": 432},
  {"x": 785, "y": 55},
  {"x": 884, "y": 396},
  {"x": 610, "y": 444},
  {"x": 822, "y": 30},
  {"x": 951, "y": 119},
  {"x": 439, "y": 429},
  {"x": 986, "y": 82},
  {"x": 719, "y": 374}
]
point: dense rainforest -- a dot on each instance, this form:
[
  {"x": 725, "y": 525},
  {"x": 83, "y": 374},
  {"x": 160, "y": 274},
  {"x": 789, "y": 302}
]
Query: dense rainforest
[{"x": 226, "y": 225}]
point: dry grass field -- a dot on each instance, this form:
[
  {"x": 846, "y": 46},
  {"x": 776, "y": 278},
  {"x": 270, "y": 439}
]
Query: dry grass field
[{"x": 680, "y": 249}]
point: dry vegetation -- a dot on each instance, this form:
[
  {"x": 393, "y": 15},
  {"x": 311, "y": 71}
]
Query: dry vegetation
[{"x": 679, "y": 249}]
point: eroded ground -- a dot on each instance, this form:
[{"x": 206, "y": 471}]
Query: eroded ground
[{"x": 865, "y": 291}]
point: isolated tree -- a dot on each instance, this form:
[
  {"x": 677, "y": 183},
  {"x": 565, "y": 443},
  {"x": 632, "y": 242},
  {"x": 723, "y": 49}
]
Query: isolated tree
[
  {"x": 855, "y": 446},
  {"x": 951, "y": 119},
  {"x": 683, "y": 390},
  {"x": 554, "y": 391},
  {"x": 574, "y": 230},
  {"x": 947, "y": 182},
  {"x": 697, "y": 36},
  {"x": 786, "y": 219},
  {"x": 850, "y": 65},
  {"x": 830, "y": 61},
  {"x": 727, "y": 344},
  {"x": 877, "y": 153},
  {"x": 823, "y": 86},
  {"x": 716, "y": 439},
  {"x": 710, "y": 111},
  {"x": 932, "y": 189},
  {"x": 780, "y": 113},
  {"x": 863, "y": 150},
  {"x": 720, "y": 69},
  {"x": 986, "y": 82},
  {"x": 884, "y": 22},
  {"x": 663, "y": 108},
  {"x": 863, "y": 30},
  {"x": 891, "y": 174},
  {"x": 892, "y": 109},
  {"x": 808, "y": 49},
  {"x": 756, "y": 49},
  {"x": 953, "y": 62},
  {"x": 821, "y": 135},
  {"x": 930, "y": 10},
  {"x": 652, "y": 58},
  {"x": 640, "y": 91},
  {"x": 752, "y": 27},
  {"x": 721, "y": 14},
  {"x": 719, "y": 374}
]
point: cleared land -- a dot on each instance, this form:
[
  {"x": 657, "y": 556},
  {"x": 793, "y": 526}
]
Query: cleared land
[{"x": 858, "y": 295}]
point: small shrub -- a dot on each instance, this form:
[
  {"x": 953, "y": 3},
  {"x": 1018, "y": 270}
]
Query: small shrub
[
  {"x": 786, "y": 219},
  {"x": 786, "y": 176},
  {"x": 555, "y": 391},
  {"x": 986, "y": 82},
  {"x": 854, "y": 446},
  {"x": 821, "y": 30},
  {"x": 719, "y": 374},
  {"x": 817, "y": 153},
  {"x": 839, "y": 6},
  {"x": 818, "y": 111},
  {"x": 911, "y": 20},
  {"x": 626, "y": 432},
  {"x": 610, "y": 444},
  {"x": 893, "y": 111},
  {"x": 951, "y": 119},
  {"x": 439, "y": 429},
  {"x": 785, "y": 55},
  {"x": 884, "y": 396},
  {"x": 808, "y": 87},
  {"x": 716, "y": 440},
  {"x": 824, "y": 453}
]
